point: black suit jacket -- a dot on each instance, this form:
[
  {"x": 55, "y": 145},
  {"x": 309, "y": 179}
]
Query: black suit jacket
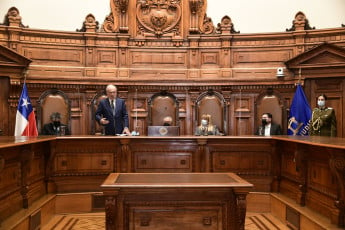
[
  {"x": 49, "y": 129},
  {"x": 275, "y": 130},
  {"x": 118, "y": 121}
]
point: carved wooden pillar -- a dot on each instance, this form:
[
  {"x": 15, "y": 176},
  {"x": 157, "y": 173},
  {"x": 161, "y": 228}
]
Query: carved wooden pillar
[
  {"x": 299, "y": 27},
  {"x": 50, "y": 160},
  {"x": 225, "y": 52},
  {"x": 302, "y": 168},
  {"x": 194, "y": 55},
  {"x": 337, "y": 165},
  {"x": 202, "y": 156},
  {"x": 197, "y": 14},
  {"x": 117, "y": 20},
  {"x": 122, "y": 5},
  {"x": 276, "y": 167},
  {"x": 300, "y": 41},
  {"x": 126, "y": 156},
  {"x": 123, "y": 62},
  {"x": 227, "y": 98},
  {"x": 241, "y": 207},
  {"x": 138, "y": 111},
  {"x": 27, "y": 156},
  {"x": 15, "y": 91},
  {"x": 2, "y": 162},
  {"x": 90, "y": 52},
  {"x": 110, "y": 207},
  {"x": 194, "y": 124}
]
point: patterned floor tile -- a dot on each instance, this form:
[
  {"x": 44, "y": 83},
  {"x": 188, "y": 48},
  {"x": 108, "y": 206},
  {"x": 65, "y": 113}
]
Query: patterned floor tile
[{"x": 96, "y": 221}]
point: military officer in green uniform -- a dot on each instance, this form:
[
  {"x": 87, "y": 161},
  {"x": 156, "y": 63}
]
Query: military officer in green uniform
[{"x": 323, "y": 120}]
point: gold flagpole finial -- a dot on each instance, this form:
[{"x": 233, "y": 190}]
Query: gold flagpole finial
[{"x": 25, "y": 73}]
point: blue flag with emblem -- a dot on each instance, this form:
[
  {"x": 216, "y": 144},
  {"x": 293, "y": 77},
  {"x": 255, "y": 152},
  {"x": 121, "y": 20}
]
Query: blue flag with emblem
[{"x": 300, "y": 114}]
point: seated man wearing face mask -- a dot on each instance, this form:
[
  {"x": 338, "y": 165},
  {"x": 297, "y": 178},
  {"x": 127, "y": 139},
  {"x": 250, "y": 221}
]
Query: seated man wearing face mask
[
  {"x": 267, "y": 127},
  {"x": 167, "y": 121},
  {"x": 206, "y": 127},
  {"x": 55, "y": 127}
]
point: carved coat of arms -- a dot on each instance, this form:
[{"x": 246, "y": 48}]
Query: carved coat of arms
[{"x": 158, "y": 17}]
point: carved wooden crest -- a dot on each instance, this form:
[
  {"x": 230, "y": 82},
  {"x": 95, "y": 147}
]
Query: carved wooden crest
[{"x": 158, "y": 17}]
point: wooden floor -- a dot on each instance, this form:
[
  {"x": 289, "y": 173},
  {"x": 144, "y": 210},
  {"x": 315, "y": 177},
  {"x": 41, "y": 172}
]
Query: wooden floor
[{"x": 95, "y": 221}]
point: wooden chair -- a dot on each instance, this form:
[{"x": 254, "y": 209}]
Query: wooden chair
[
  {"x": 270, "y": 102},
  {"x": 51, "y": 101},
  {"x": 161, "y": 105},
  {"x": 212, "y": 103},
  {"x": 96, "y": 128}
]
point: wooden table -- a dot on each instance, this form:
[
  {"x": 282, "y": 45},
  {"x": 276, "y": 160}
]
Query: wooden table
[{"x": 175, "y": 201}]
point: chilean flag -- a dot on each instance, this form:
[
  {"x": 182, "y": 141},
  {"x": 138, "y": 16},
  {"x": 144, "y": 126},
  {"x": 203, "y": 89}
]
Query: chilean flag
[{"x": 25, "y": 118}]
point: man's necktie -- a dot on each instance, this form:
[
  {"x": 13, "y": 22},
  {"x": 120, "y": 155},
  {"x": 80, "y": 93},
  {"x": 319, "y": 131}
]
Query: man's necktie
[{"x": 112, "y": 106}]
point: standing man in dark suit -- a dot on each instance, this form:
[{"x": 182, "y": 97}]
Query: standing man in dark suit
[
  {"x": 112, "y": 113},
  {"x": 267, "y": 127}
]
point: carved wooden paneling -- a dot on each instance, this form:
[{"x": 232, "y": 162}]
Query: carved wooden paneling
[
  {"x": 209, "y": 58},
  {"x": 84, "y": 163},
  {"x": 10, "y": 178},
  {"x": 183, "y": 51},
  {"x": 163, "y": 162},
  {"x": 42, "y": 55},
  {"x": 273, "y": 57},
  {"x": 5, "y": 108},
  {"x": 307, "y": 178},
  {"x": 312, "y": 168},
  {"x": 107, "y": 57},
  {"x": 159, "y": 58}
]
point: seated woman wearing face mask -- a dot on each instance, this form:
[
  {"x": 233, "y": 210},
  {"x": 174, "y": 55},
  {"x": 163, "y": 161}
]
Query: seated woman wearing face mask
[
  {"x": 206, "y": 127},
  {"x": 55, "y": 127}
]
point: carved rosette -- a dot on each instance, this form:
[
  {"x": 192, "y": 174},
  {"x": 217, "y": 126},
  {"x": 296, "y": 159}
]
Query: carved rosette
[{"x": 158, "y": 17}]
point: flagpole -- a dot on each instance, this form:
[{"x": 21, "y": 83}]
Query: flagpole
[
  {"x": 299, "y": 76},
  {"x": 25, "y": 74}
]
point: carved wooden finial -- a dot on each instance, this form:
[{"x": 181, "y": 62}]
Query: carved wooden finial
[
  {"x": 89, "y": 25},
  {"x": 300, "y": 23},
  {"x": 226, "y": 26},
  {"x": 13, "y": 18}
]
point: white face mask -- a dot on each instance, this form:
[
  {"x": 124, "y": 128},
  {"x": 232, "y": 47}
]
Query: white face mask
[
  {"x": 321, "y": 103},
  {"x": 204, "y": 122}
]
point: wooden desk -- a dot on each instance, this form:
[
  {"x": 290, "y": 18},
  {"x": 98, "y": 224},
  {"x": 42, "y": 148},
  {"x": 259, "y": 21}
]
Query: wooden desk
[{"x": 175, "y": 201}]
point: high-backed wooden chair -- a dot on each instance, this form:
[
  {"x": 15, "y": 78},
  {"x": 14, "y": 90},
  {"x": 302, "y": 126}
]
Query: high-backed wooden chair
[
  {"x": 96, "y": 128},
  {"x": 51, "y": 101},
  {"x": 163, "y": 104},
  {"x": 212, "y": 103},
  {"x": 270, "y": 102}
]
